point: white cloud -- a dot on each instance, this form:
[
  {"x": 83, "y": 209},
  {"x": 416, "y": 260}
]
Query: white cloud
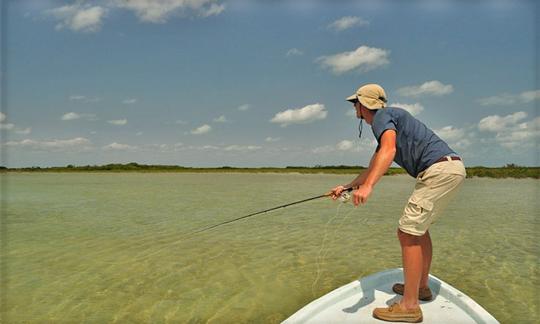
[
  {"x": 165, "y": 148},
  {"x": 506, "y": 99},
  {"x": 413, "y": 109},
  {"x": 205, "y": 147},
  {"x": 118, "y": 122},
  {"x": 457, "y": 138},
  {"x": 323, "y": 149},
  {"x": 214, "y": 10},
  {"x": 86, "y": 17},
  {"x": 362, "y": 59},
  {"x": 78, "y": 17},
  {"x": 294, "y": 52},
  {"x": 497, "y": 123},
  {"x": 158, "y": 11},
  {"x": 307, "y": 114},
  {"x": 201, "y": 130},
  {"x": 271, "y": 139},
  {"x": 78, "y": 143},
  {"x": 119, "y": 147},
  {"x": 351, "y": 113},
  {"x": 345, "y": 145},
  {"x": 180, "y": 122},
  {"x": 502, "y": 99},
  {"x": 221, "y": 148},
  {"x": 244, "y": 107},
  {"x": 70, "y": 116},
  {"x": 74, "y": 116},
  {"x": 462, "y": 144},
  {"x": 511, "y": 131},
  {"x": 241, "y": 148},
  {"x": 450, "y": 133},
  {"x": 129, "y": 101},
  {"x": 523, "y": 135},
  {"x": 347, "y": 22},
  {"x": 220, "y": 119},
  {"x": 7, "y": 126},
  {"x": 84, "y": 99},
  {"x": 529, "y": 96},
  {"x": 430, "y": 88},
  {"x": 25, "y": 131}
]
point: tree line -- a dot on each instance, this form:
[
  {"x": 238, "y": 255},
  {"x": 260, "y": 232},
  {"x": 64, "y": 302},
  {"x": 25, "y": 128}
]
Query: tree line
[{"x": 508, "y": 171}]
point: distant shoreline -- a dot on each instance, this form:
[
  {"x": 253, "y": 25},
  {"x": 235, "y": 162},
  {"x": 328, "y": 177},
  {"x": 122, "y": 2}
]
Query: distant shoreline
[{"x": 508, "y": 171}]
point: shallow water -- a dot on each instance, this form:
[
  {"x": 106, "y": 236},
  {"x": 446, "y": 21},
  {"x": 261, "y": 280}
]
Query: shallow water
[{"x": 99, "y": 248}]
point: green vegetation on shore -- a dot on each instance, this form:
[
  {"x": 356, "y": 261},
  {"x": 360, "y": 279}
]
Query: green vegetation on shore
[{"x": 508, "y": 171}]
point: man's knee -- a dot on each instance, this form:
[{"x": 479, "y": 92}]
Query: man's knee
[{"x": 408, "y": 239}]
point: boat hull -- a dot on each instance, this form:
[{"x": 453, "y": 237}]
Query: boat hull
[{"x": 354, "y": 303}]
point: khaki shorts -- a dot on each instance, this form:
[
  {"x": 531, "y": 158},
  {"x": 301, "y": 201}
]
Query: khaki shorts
[{"x": 434, "y": 189}]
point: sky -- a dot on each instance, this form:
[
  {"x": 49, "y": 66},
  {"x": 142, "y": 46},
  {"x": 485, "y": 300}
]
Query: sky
[{"x": 206, "y": 83}]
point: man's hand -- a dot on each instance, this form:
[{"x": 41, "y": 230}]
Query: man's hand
[
  {"x": 361, "y": 195},
  {"x": 336, "y": 192}
]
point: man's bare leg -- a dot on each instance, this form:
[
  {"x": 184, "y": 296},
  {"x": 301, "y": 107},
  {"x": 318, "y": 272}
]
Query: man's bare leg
[
  {"x": 427, "y": 253},
  {"x": 411, "y": 250}
]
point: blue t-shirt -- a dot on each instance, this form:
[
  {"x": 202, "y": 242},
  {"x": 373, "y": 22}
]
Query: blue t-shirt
[{"x": 417, "y": 147}]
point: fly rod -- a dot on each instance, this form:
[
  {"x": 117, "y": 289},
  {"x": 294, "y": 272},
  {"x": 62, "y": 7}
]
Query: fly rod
[{"x": 267, "y": 210}]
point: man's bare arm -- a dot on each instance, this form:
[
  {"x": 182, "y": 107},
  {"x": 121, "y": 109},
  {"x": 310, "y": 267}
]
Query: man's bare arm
[
  {"x": 361, "y": 178},
  {"x": 381, "y": 162}
]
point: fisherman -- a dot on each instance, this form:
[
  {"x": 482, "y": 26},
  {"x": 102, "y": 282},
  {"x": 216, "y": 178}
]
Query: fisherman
[{"x": 439, "y": 172}]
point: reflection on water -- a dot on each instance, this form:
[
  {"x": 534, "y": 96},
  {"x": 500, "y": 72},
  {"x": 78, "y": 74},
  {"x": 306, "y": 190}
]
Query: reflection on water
[{"x": 113, "y": 247}]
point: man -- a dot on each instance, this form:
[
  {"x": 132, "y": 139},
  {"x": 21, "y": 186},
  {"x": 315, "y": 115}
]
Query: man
[{"x": 439, "y": 172}]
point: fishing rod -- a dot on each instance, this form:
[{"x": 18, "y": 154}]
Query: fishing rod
[{"x": 346, "y": 190}]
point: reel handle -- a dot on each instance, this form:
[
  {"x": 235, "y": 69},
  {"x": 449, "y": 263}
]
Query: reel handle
[{"x": 329, "y": 193}]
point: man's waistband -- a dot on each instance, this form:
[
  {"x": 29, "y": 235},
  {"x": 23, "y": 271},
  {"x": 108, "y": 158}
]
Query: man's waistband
[
  {"x": 448, "y": 158},
  {"x": 444, "y": 158}
]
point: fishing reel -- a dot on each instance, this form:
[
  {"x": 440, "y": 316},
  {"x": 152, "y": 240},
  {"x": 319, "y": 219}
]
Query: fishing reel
[{"x": 344, "y": 197}]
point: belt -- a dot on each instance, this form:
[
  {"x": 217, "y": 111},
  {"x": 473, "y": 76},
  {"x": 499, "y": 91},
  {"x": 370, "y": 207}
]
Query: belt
[{"x": 445, "y": 158}]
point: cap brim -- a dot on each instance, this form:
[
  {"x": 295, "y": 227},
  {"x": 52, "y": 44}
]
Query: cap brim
[{"x": 352, "y": 98}]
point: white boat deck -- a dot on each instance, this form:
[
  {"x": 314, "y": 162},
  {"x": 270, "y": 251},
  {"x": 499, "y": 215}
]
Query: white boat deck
[{"x": 354, "y": 303}]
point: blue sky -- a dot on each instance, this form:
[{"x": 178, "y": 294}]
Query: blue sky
[{"x": 259, "y": 83}]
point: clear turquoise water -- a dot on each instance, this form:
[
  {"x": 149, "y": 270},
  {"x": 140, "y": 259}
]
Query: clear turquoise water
[{"x": 100, "y": 248}]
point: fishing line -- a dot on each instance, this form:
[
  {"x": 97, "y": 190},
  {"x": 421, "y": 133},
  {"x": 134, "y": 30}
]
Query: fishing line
[
  {"x": 337, "y": 230},
  {"x": 320, "y": 257},
  {"x": 320, "y": 251}
]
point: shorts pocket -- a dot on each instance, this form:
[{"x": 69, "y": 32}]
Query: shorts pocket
[
  {"x": 416, "y": 216},
  {"x": 422, "y": 204}
]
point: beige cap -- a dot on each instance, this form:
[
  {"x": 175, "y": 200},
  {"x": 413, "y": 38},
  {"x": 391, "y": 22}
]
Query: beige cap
[{"x": 371, "y": 96}]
